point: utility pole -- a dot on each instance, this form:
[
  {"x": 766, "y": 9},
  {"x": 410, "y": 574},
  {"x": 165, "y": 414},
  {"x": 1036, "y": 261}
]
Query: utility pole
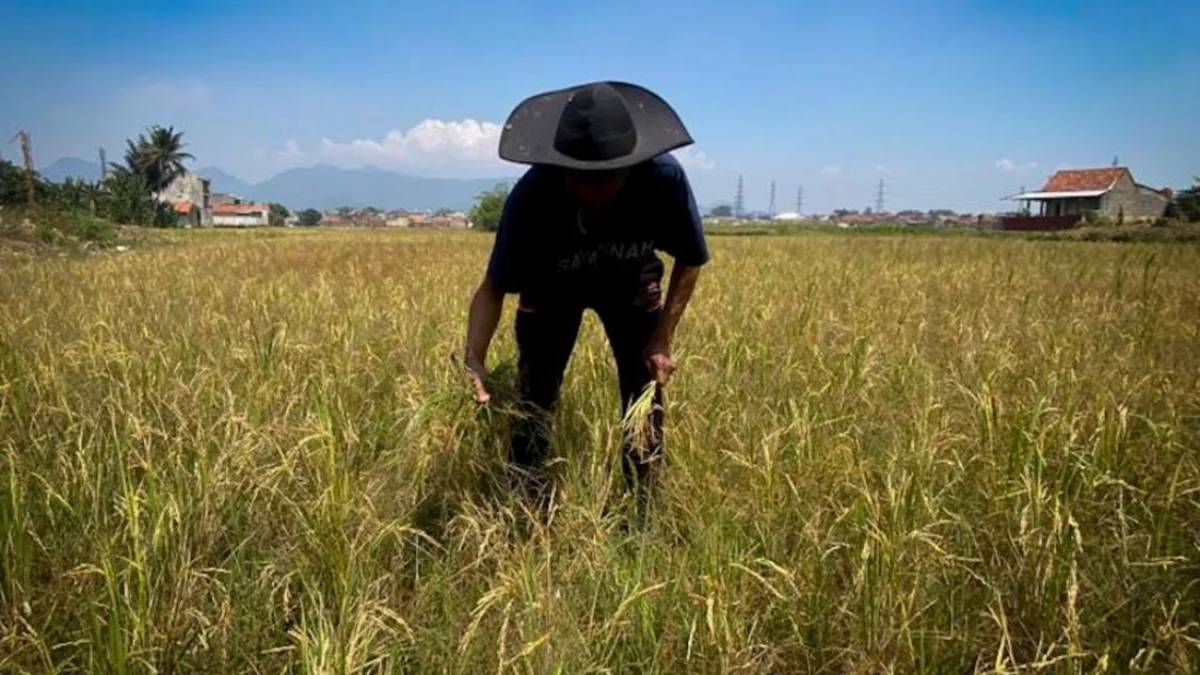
[
  {"x": 739, "y": 200},
  {"x": 879, "y": 198},
  {"x": 800, "y": 200},
  {"x": 771, "y": 208},
  {"x": 27, "y": 154},
  {"x": 103, "y": 166}
]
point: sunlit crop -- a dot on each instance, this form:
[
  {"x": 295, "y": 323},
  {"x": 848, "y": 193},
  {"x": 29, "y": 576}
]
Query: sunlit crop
[{"x": 254, "y": 454}]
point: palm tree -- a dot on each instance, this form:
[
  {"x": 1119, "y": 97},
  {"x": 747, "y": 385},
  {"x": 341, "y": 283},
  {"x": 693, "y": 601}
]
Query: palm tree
[
  {"x": 164, "y": 156},
  {"x": 157, "y": 156},
  {"x": 133, "y": 157}
]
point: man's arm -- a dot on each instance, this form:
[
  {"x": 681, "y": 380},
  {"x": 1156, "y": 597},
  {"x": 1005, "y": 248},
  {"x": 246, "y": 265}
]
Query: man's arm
[
  {"x": 658, "y": 350},
  {"x": 683, "y": 283},
  {"x": 482, "y": 319},
  {"x": 503, "y": 275},
  {"x": 684, "y": 241}
]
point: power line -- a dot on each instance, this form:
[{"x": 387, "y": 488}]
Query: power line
[{"x": 879, "y": 198}]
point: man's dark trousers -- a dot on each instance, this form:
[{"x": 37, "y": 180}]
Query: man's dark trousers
[{"x": 546, "y": 331}]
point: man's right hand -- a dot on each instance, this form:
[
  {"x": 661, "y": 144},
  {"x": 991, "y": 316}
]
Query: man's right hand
[
  {"x": 484, "y": 314},
  {"x": 478, "y": 372}
]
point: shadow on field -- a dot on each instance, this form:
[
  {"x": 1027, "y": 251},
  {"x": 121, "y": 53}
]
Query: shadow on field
[{"x": 468, "y": 473}]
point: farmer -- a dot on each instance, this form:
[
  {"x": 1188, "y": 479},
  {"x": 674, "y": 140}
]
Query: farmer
[{"x": 579, "y": 231}]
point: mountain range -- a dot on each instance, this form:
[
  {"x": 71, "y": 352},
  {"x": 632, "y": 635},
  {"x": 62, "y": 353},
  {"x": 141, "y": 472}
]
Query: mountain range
[{"x": 324, "y": 187}]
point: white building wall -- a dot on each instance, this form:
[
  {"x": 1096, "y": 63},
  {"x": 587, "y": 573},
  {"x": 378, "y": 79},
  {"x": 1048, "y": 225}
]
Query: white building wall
[{"x": 240, "y": 221}]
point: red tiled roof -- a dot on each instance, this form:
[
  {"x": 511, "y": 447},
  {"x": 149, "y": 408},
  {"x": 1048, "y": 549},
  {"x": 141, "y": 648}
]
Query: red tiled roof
[
  {"x": 240, "y": 209},
  {"x": 183, "y": 208},
  {"x": 1074, "y": 180}
]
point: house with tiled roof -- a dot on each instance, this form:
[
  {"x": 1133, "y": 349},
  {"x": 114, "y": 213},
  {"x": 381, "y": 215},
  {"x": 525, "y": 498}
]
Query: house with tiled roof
[
  {"x": 190, "y": 196},
  {"x": 1071, "y": 194},
  {"x": 187, "y": 213},
  {"x": 241, "y": 215}
]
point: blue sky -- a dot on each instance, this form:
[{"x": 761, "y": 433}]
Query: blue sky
[{"x": 954, "y": 104}]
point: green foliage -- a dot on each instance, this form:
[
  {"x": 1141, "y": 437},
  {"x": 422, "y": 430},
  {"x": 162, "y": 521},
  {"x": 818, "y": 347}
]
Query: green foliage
[
  {"x": 722, "y": 211},
  {"x": 79, "y": 225},
  {"x": 485, "y": 215},
  {"x": 75, "y": 193},
  {"x": 55, "y": 225},
  {"x": 12, "y": 184},
  {"x": 129, "y": 201},
  {"x": 127, "y": 196},
  {"x": 279, "y": 213},
  {"x": 309, "y": 217},
  {"x": 13, "y": 191},
  {"x": 45, "y": 232},
  {"x": 1186, "y": 204},
  {"x": 158, "y": 157},
  {"x": 164, "y": 215}
]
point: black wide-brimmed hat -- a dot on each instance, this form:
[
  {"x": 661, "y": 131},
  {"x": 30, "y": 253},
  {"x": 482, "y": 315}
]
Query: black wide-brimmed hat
[{"x": 594, "y": 126}]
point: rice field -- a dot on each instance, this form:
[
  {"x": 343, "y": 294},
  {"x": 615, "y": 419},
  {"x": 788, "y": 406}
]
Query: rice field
[{"x": 886, "y": 454}]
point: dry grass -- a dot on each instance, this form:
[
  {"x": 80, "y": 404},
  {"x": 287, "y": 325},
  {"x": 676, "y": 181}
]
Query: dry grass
[{"x": 252, "y": 455}]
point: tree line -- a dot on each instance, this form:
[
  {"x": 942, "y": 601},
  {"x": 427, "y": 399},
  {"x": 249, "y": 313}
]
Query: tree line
[{"x": 128, "y": 192}]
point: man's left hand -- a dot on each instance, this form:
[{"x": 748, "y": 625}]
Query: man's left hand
[{"x": 658, "y": 358}]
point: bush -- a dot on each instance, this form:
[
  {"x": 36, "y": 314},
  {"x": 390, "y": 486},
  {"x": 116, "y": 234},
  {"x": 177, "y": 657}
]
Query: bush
[
  {"x": 13, "y": 190},
  {"x": 164, "y": 215},
  {"x": 55, "y": 225},
  {"x": 1186, "y": 204},
  {"x": 489, "y": 206},
  {"x": 128, "y": 200},
  {"x": 309, "y": 217},
  {"x": 1095, "y": 219},
  {"x": 45, "y": 232}
]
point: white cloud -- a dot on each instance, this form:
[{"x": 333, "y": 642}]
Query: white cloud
[
  {"x": 1006, "y": 164},
  {"x": 691, "y": 158},
  {"x": 432, "y": 143},
  {"x": 290, "y": 150},
  {"x": 831, "y": 171},
  {"x": 437, "y": 146}
]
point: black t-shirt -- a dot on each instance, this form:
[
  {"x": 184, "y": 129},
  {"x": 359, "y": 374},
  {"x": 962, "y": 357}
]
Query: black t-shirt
[{"x": 545, "y": 245}]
